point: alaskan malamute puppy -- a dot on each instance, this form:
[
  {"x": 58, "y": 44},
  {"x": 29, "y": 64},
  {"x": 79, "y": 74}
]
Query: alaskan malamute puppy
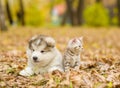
[{"x": 43, "y": 56}]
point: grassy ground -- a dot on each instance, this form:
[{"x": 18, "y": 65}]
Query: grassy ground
[{"x": 101, "y": 58}]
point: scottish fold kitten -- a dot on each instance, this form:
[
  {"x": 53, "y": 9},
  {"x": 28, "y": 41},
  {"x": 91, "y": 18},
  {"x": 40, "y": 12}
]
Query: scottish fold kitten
[{"x": 71, "y": 58}]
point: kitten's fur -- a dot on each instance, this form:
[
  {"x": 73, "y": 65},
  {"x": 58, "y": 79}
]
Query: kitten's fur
[{"x": 71, "y": 58}]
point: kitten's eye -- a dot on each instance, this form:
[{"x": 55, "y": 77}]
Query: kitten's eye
[
  {"x": 79, "y": 46},
  {"x": 42, "y": 51}
]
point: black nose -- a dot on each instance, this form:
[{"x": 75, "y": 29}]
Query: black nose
[{"x": 35, "y": 58}]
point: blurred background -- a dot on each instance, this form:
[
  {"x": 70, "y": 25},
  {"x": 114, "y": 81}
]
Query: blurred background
[
  {"x": 98, "y": 21},
  {"x": 59, "y": 13}
]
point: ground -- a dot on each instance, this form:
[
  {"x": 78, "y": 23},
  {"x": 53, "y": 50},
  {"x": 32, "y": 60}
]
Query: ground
[{"x": 100, "y": 60}]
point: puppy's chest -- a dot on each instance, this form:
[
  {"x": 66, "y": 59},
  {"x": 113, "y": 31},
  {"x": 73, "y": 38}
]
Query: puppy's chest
[{"x": 41, "y": 70}]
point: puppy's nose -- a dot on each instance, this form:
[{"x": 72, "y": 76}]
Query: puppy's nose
[{"x": 35, "y": 58}]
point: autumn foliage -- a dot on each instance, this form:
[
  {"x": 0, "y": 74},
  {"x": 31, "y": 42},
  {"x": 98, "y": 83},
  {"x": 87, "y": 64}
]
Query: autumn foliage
[{"x": 100, "y": 60}]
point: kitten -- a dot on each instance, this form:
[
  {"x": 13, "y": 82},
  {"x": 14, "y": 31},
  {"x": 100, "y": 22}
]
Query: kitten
[{"x": 71, "y": 58}]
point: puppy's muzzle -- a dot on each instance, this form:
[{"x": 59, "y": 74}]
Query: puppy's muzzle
[{"x": 35, "y": 58}]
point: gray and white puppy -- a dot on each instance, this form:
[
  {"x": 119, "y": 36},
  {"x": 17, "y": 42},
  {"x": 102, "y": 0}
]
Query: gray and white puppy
[{"x": 43, "y": 56}]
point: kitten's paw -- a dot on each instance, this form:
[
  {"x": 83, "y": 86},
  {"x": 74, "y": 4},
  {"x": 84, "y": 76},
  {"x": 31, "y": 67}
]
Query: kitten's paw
[
  {"x": 77, "y": 68},
  {"x": 67, "y": 70},
  {"x": 26, "y": 72}
]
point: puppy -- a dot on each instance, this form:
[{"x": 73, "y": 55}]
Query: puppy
[{"x": 43, "y": 56}]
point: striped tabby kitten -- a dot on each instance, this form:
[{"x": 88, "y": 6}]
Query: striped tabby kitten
[{"x": 72, "y": 54}]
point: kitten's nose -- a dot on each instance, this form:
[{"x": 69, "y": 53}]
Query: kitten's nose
[{"x": 35, "y": 58}]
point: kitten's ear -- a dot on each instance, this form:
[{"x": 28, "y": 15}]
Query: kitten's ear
[
  {"x": 81, "y": 39},
  {"x": 73, "y": 40},
  {"x": 50, "y": 41}
]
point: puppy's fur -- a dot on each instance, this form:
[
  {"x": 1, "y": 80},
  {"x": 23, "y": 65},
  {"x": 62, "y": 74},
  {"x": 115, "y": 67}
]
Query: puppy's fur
[{"x": 43, "y": 56}]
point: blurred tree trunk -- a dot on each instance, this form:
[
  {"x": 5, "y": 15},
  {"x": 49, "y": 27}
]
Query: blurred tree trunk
[
  {"x": 20, "y": 13},
  {"x": 52, "y": 5},
  {"x": 2, "y": 18},
  {"x": 98, "y": 1},
  {"x": 111, "y": 13},
  {"x": 118, "y": 5},
  {"x": 80, "y": 12},
  {"x": 64, "y": 18},
  {"x": 8, "y": 12},
  {"x": 70, "y": 10},
  {"x": 75, "y": 15}
]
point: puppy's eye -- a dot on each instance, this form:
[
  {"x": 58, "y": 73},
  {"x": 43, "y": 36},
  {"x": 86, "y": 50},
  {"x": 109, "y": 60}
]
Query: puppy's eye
[
  {"x": 42, "y": 51},
  {"x": 33, "y": 50},
  {"x": 79, "y": 46}
]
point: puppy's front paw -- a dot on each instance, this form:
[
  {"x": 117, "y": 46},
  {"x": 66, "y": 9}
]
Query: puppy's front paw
[{"x": 26, "y": 72}]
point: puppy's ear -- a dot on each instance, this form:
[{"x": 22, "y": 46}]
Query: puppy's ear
[
  {"x": 50, "y": 41},
  {"x": 31, "y": 40}
]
